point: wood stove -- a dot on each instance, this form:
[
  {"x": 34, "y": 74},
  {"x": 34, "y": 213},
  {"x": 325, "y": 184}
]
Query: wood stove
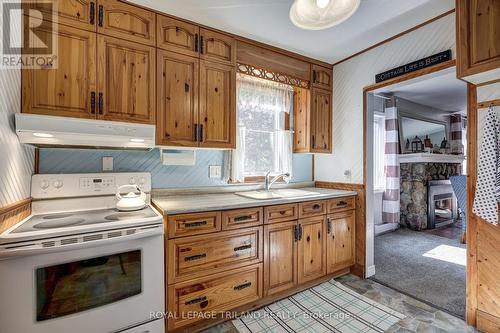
[{"x": 441, "y": 204}]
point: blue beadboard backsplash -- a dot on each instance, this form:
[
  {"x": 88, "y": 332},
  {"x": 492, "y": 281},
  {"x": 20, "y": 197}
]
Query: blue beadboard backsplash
[{"x": 90, "y": 161}]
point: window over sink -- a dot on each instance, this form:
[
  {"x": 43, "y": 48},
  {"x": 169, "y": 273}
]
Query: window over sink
[{"x": 264, "y": 140}]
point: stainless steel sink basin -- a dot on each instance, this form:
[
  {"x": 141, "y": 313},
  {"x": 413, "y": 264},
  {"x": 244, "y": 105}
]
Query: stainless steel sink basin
[{"x": 276, "y": 194}]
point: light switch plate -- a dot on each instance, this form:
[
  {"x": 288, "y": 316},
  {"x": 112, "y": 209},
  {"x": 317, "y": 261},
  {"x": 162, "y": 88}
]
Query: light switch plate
[
  {"x": 215, "y": 171},
  {"x": 107, "y": 163}
]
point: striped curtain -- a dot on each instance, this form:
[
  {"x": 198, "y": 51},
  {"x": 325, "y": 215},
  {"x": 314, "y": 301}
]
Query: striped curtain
[
  {"x": 455, "y": 129},
  {"x": 390, "y": 200}
]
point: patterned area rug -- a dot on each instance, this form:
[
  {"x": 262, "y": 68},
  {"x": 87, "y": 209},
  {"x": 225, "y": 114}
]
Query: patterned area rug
[{"x": 328, "y": 307}]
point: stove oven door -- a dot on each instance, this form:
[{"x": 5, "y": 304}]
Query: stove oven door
[{"x": 116, "y": 286}]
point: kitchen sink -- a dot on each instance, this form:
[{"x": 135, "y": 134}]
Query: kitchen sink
[{"x": 276, "y": 194}]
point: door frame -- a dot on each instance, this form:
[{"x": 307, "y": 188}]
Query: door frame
[{"x": 471, "y": 285}]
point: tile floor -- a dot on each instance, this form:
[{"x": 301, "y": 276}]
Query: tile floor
[{"x": 421, "y": 318}]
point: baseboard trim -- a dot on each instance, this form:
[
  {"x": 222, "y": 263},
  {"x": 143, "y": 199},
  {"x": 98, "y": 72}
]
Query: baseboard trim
[{"x": 370, "y": 271}]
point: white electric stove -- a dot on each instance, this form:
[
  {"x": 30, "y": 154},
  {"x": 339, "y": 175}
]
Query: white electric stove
[{"x": 77, "y": 264}]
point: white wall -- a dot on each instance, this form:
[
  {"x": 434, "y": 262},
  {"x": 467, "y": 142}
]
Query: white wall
[
  {"x": 16, "y": 160},
  {"x": 349, "y": 79}
]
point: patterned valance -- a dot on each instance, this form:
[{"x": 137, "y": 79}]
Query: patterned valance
[{"x": 272, "y": 76}]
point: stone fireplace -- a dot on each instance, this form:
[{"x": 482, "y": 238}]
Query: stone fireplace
[
  {"x": 441, "y": 204},
  {"x": 414, "y": 181}
]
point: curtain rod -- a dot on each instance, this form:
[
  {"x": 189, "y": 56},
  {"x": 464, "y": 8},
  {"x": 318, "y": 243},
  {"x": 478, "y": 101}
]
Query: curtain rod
[{"x": 487, "y": 104}]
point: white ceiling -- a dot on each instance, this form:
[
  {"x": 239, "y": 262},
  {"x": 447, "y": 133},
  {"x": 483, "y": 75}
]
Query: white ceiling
[
  {"x": 267, "y": 21},
  {"x": 442, "y": 91}
]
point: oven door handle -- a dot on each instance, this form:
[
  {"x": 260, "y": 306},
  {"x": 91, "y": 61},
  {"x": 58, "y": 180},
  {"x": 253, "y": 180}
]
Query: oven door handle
[{"x": 83, "y": 242}]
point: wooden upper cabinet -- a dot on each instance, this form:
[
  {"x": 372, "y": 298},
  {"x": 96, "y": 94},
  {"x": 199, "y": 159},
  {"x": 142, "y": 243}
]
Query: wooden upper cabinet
[
  {"x": 178, "y": 36},
  {"x": 74, "y": 13},
  {"x": 126, "y": 81},
  {"x": 280, "y": 257},
  {"x": 340, "y": 241},
  {"x": 65, "y": 90},
  {"x": 321, "y": 77},
  {"x": 218, "y": 47},
  {"x": 217, "y": 117},
  {"x": 321, "y": 121},
  {"x": 301, "y": 120},
  {"x": 177, "y": 112},
  {"x": 130, "y": 23},
  {"x": 312, "y": 249},
  {"x": 478, "y": 39}
]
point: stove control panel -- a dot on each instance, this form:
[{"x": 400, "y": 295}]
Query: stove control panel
[{"x": 81, "y": 185}]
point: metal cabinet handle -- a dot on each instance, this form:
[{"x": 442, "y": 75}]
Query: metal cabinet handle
[
  {"x": 196, "y": 41},
  {"x": 314, "y": 76},
  {"x": 202, "y": 45},
  {"x": 316, "y": 206},
  {"x": 101, "y": 16},
  {"x": 195, "y": 132},
  {"x": 242, "y": 248},
  {"x": 329, "y": 225},
  {"x": 196, "y": 300},
  {"x": 201, "y": 132},
  {"x": 196, "y": 257},
  {"x": 101, "y": 103},
  {"x": 92, "y": 102},
  {"x": 242, "y": 218},
  {"x": 92, "y": 12},
  {"x": 313, "y": 142},
  {"x": 195, "y": 224},
  {"x": 299, "y": 232},
  {"x": 341, "y": 203},
  {"x": 243, "y": 286}
]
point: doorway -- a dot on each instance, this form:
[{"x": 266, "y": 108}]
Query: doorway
[{"x": 415, "y": 187}]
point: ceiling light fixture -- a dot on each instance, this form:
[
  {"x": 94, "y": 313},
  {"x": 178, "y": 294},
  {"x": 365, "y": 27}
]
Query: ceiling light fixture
[
  {"x": 321, "y": 14},
  {"x": 43, "y": 135}
]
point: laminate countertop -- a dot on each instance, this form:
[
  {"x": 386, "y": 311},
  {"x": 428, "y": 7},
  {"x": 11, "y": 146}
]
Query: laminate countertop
[{"x": 179, "y": 203}]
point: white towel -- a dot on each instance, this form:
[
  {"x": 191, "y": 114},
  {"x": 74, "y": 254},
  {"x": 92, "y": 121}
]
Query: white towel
[{"x": 488, "y": 172}]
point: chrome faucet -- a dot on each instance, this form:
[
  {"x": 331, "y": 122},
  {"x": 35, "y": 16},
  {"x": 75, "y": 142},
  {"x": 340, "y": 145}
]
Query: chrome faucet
[{"x": 268, "y": 184}]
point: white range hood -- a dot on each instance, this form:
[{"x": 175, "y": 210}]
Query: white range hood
[{"x": 51, "y": 131}]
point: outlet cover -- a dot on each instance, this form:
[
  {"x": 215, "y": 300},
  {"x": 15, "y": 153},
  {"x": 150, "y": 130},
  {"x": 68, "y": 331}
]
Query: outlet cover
[
  {"x": 107, "y": 163},
  {"x": 215, "y": 171}
]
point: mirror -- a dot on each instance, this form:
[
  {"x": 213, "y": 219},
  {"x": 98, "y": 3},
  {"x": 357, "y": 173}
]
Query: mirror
[{"x": 411, "y": 127}]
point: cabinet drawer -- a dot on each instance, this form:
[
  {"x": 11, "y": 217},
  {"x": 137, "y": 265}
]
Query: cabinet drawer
[
  {"x": 193, "y": 224},
  {"x": 281, "y": 213},
  {"x": 195, "y": 256},
  {"x": 220, "y": 292},
  {"x": 341, "y": 204},
  {"x": 312, "y": 208},
  {"x": 240, "y": 218}
]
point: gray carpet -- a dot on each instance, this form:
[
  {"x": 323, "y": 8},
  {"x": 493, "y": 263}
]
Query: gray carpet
[{"x": 399, "y": 264}]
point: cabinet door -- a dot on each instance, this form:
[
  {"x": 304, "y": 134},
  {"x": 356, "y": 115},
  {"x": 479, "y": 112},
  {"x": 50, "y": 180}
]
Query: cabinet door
[
  {"x": 74, "y": 13},
  {"x": 478, "y": 41},
  {"x": 178, "y": 36},
  {"x": 321, "y": 121},
  {"x": 301, "y": 120},
  {"x": 312, "y": 249},
  {"x": 280, "y": 257},
  {"x": 177, "y": 113},
  {"x": 340, "y": 243},
  {"x": 217, "y": 122},
  {"x": 121, "y": 20},
  {"x": 321, "y": 77},
  {"x": 126, "y": 81},
  {"x": 64, "y": 90},
  {"x": 215, "y": 46}
]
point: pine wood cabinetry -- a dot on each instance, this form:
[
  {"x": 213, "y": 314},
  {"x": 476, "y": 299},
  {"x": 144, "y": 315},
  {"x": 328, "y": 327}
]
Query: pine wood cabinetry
[
  {"x": 178, "y": 36},
  {"x": 321, "y": 121},
  {"x": 280, "y": 257},
  {"x": 121, "y": 20},
  {"x": 321, "y": 77},
  {"x": 340, "y": 240},
  {"x": 126, "y": 81},
  {"x": 311, "y": 249},
  {"x": 67, "y": 89},
  {"x": 478, "y": 40},
  {"x": 217, "y": 261},
  {"x": 218, "y": 47}
]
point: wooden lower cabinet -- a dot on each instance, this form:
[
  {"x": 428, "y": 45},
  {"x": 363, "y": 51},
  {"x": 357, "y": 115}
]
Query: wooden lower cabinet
[
  {"x": 312, "y": 248},
  {"x": 250, "y": 257},
  {"x": 280, "y": 257},
  {"x": 340, "y": 240},
  {"x": 219, "y": 292}
]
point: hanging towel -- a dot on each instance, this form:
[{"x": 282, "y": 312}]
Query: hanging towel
[{"x": 488, "y": 174}]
